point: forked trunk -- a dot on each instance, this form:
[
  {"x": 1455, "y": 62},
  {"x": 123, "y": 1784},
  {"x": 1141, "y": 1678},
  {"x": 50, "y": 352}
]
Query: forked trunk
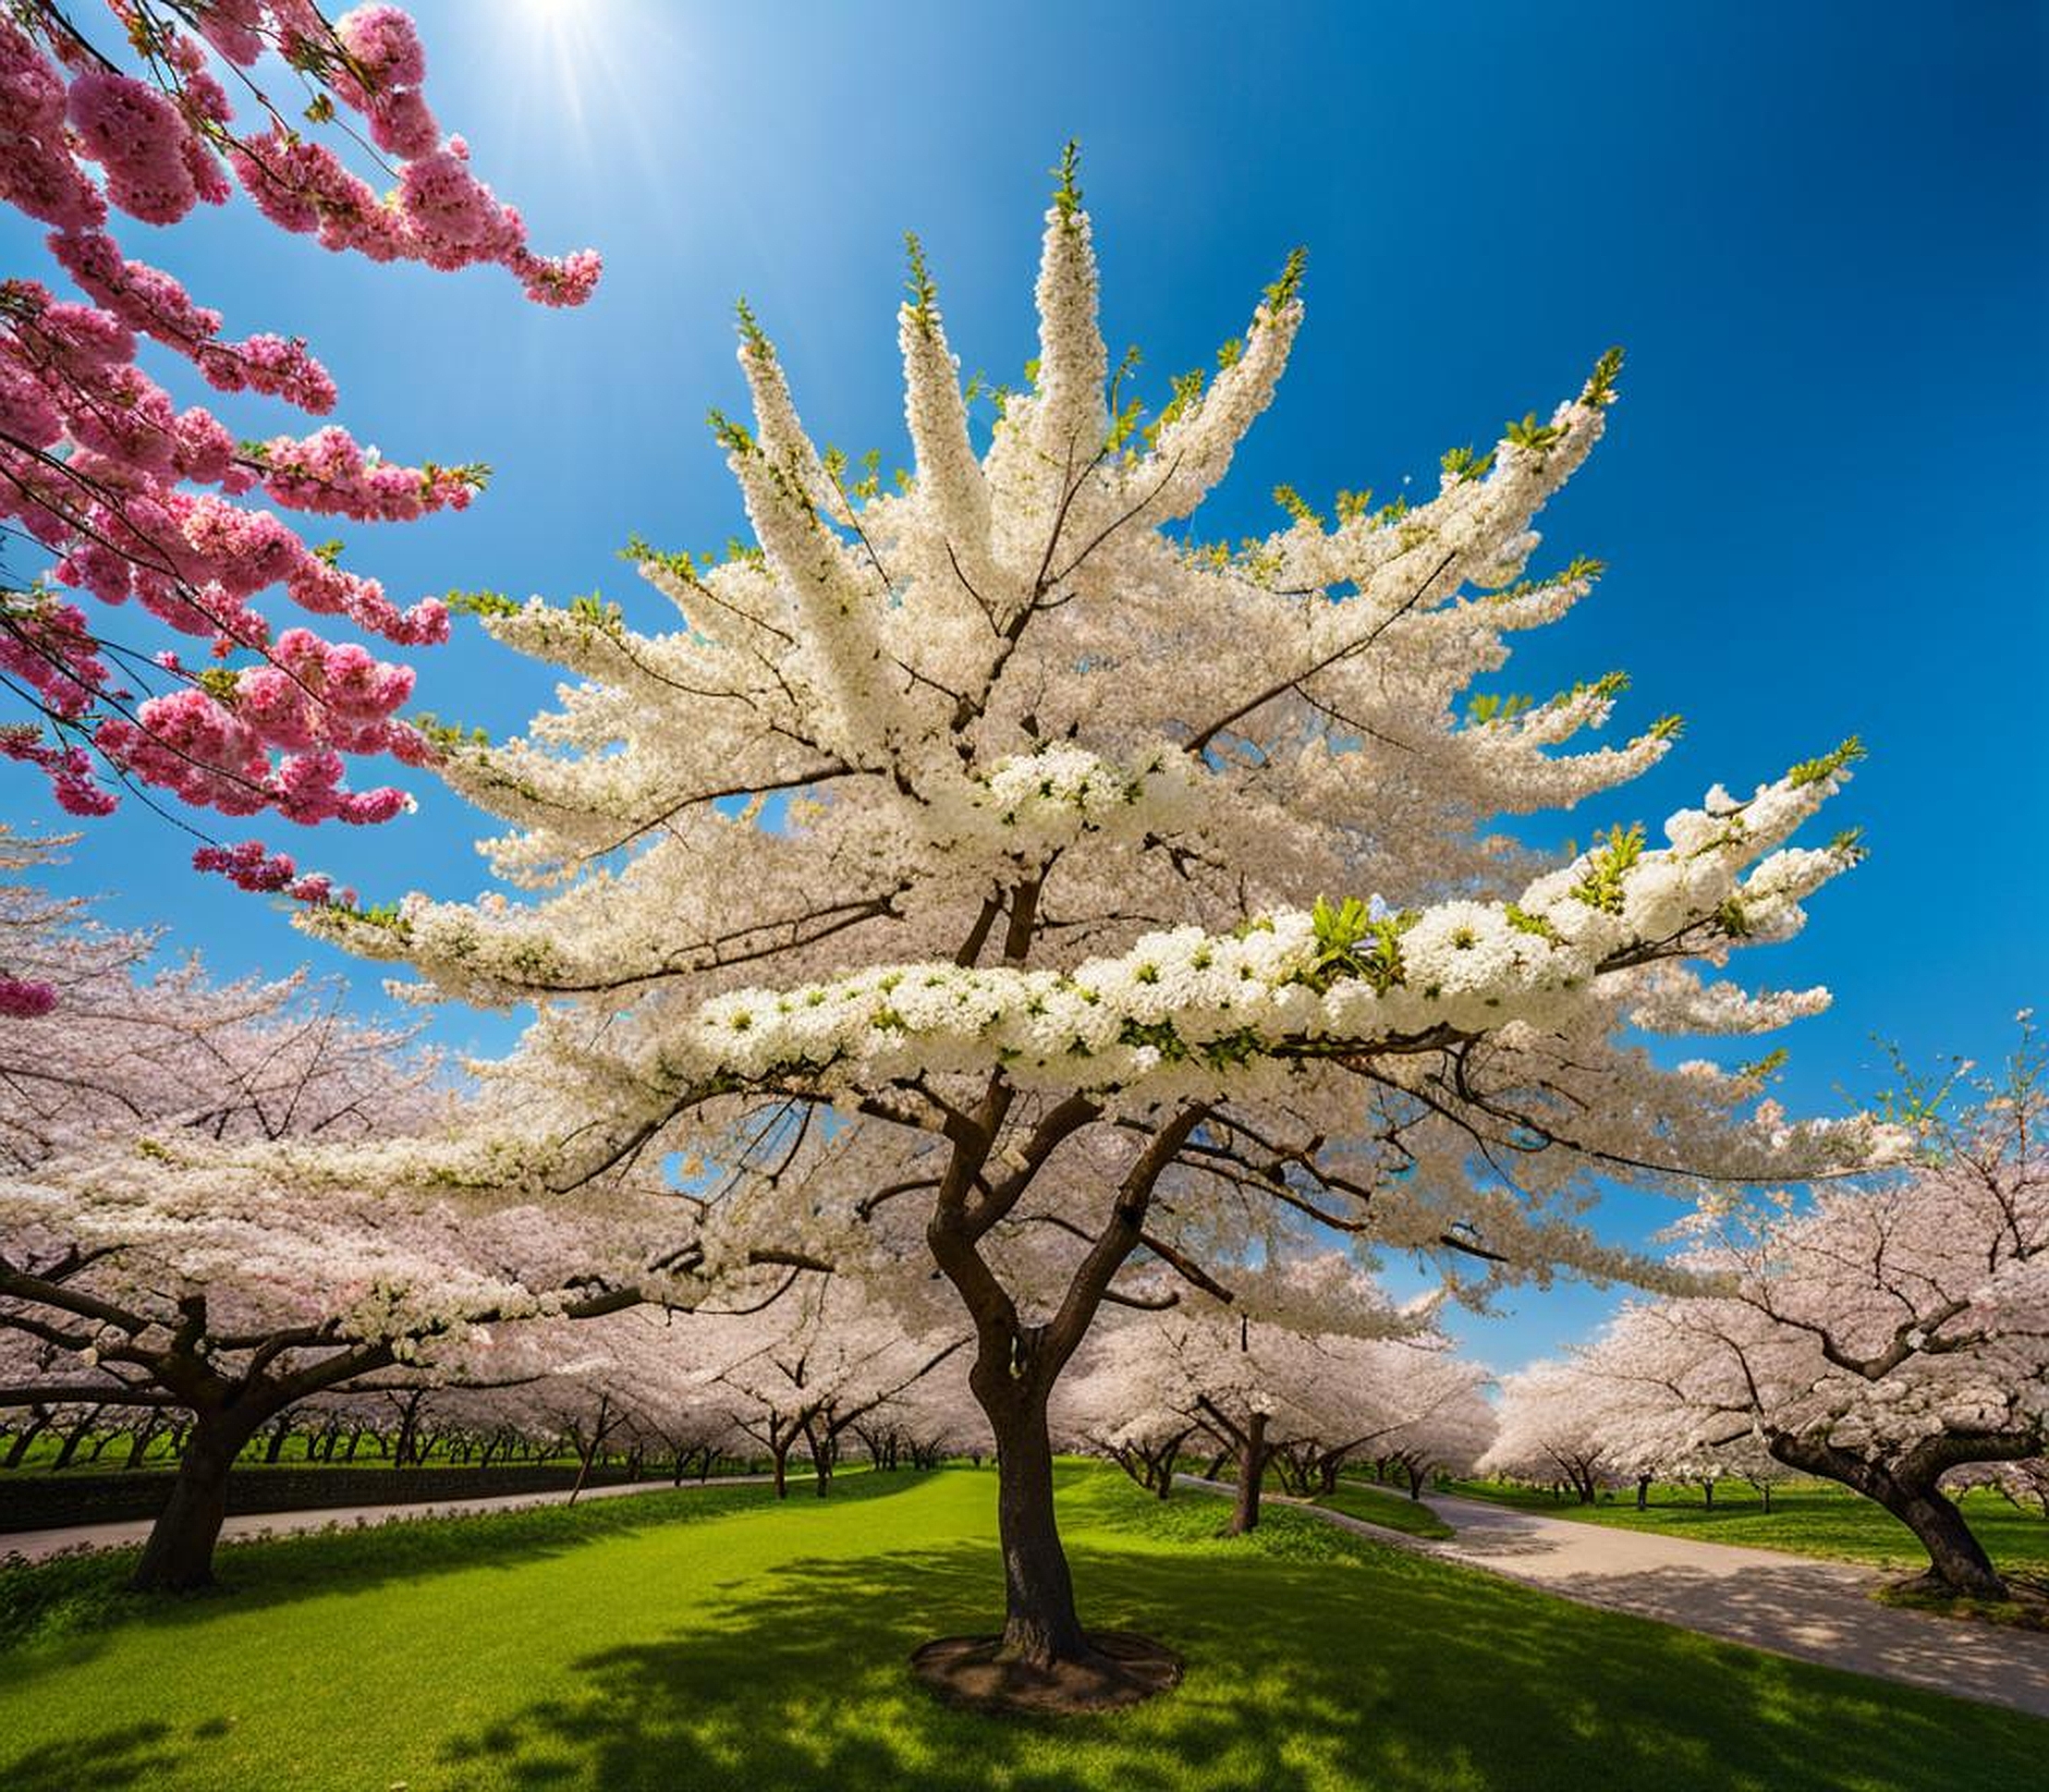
[
  {"x": 1957, "y": 1560},
  {"x": 179, "y": 1556}
]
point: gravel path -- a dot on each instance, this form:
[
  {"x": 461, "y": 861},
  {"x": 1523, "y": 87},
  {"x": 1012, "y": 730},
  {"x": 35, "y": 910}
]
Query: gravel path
[
  {"x": 37, "y": 1544},
  {"x": 1790, "y": 1605}
]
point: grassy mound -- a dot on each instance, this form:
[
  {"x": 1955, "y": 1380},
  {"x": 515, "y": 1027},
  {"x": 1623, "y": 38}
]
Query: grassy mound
[
  {"x": 668, "y": 1643},
  {"x": 1390, "y": 1510}
]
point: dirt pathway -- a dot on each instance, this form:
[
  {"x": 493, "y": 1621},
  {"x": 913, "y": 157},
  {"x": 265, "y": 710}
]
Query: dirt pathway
[{"x": 1790, "y": 1605}]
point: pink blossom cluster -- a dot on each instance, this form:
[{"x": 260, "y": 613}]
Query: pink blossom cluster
[
  {"x": 204, "y": 753},
  {"x": 382, "y": 83},
  {"x": 327, "y": 471},
  {"x": 68, "y": 766},
  {"x": 137, "y": 498},
  {"x": 25, "y": 999},
  {"x": 310, "y": 702},
  {"x": 48, "y": 647},
  {"x": 251, "y": 866},
  {"x": 154, "y": 304},
  {"x": 441, "y": 213},
  {"x": 149, "y": 154}
]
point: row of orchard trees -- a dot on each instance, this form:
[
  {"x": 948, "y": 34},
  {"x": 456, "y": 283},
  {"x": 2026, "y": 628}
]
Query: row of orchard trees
[
  {"x": 1893, "y": 1338},
  {"x": 1282, "y": 1395},
  {"x": 133, "y": 1280},
  {"x": 141, "y": 1298}
]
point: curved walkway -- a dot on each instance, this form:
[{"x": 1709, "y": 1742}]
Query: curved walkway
[
  {"x": 34, "y": 1546},
  {"x": 1788, "y": 1604}
]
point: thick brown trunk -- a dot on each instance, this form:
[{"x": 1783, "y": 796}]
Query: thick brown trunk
[
  {"x": 179, "y": 1556},
  {"x": 1251, "y": 1472},
  {"x": 1040, "y": 1624},
  {"x": 1957, "y": 1560}
]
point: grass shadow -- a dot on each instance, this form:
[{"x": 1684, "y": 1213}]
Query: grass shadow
[{"x": 72, "y": 1599}]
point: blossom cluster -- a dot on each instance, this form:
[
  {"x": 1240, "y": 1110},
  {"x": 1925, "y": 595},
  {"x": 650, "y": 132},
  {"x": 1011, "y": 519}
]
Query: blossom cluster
[{"x": 139, "y": 501}]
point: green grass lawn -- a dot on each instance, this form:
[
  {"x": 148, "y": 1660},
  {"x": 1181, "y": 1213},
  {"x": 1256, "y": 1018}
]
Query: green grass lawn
[
  {"x": 1814, "y": 1519},
  {"x": 1383, "y": 1505},
  {"x": 703, "y": 1641}
]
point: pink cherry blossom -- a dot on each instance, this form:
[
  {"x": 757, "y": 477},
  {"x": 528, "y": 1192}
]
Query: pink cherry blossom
[{"x": 140, "y": 502}]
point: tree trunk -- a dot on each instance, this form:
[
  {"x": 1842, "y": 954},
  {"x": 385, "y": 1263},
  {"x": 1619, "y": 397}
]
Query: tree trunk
[
  {"x": 1251, "y": 1470},
  {"x": 179, "y": 1556},
  {"x": 139, "y": 1447},
  {"x": 1957, "y": 1560},
  {"x": 73, "y": 1438},
  {"x": 1040, "y": 1624},
  {"x": 780, "y": 1453},
  {"x": 39, "y": 1423}
]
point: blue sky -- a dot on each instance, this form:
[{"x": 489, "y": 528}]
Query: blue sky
[{"x": 1820, "y": 230}]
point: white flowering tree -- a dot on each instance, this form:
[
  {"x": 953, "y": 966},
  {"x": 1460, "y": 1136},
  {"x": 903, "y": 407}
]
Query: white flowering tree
[
  {"x": 1429, "y": 1415},
  {"x": 803, "y": 1375},
  {"x": 1256, "y": 1389},
  {"x": 1556, "y": 1427},
  {"x": 1033, "y": 840}
]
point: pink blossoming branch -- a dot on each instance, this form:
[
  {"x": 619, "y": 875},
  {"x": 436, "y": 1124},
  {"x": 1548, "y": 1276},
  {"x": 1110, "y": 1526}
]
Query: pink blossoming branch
[{"x": 137, "y": 501}]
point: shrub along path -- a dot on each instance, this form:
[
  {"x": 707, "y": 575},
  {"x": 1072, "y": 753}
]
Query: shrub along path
[{"x": 1793, "y": 1605}]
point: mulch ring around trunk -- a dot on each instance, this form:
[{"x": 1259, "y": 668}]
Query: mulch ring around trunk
[{"x": 972, "y": 1671}]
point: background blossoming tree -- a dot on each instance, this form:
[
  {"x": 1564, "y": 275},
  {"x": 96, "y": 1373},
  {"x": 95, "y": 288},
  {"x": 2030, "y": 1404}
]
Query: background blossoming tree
[
  {"x": 1884, "y": 1337},
  {"x": 138, "y": 1273},
  {"x": 136, "y": 501},
  {"x": 992, "y": 857}
]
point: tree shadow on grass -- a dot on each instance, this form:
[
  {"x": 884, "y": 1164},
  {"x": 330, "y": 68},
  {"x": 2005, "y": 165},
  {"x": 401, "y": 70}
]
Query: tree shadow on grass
[
  {"x": 1371, "y": 1671},
  {"x": 137, "y": 1754},
  {"x": 75, "y": 1601}
]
